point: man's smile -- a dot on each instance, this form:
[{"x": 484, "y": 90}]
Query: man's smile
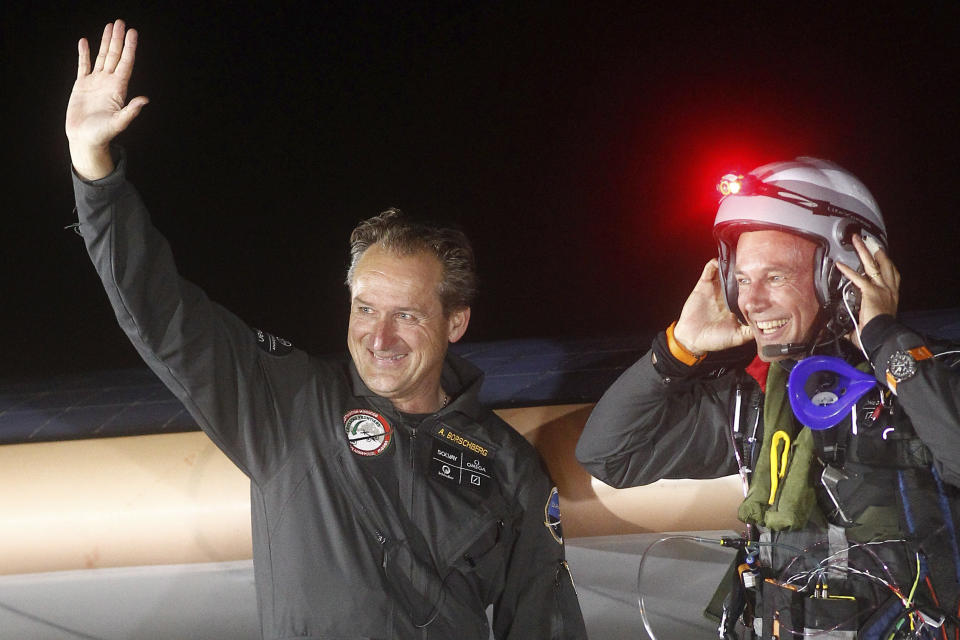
[
  {"x": 769, "y": 327},
  {"x": 386, "y": 358}
]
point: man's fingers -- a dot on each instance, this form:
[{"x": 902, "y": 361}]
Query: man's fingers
[
  {"x": 126, "y": 115},
  {"x": 709, "y": 271},
  {"x": 125, "y": 65},
  {"x": 866, "y": 258},
  {"x": 871, "y": 281},
  {"x": 116, "y": 47},
  {"x": 709, "y": 283},
  {"x": 882, "y": 259},
  {"x": 104, "y": 46},
  {"x": 117, "y": 52},
  {"x": 886, "y": 266},
  {"x": 83, "y": 58},
  {"x": 878, "y": 266},
  {"x": 855, "y": 277}
]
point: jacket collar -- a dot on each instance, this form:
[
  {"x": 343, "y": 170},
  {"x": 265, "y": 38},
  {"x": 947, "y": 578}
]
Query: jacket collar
[{"x": 460, "y": 378}]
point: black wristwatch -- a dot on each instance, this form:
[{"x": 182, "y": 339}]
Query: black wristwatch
[{"x": 902, "y": 365}]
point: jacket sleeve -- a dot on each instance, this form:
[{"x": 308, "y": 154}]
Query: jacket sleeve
[
  {"x": 539, "y": 599},
  {"x": 931, "y": 398},
  {"x": 204, "y": 354},
  {"x": 649, "y": 426}
]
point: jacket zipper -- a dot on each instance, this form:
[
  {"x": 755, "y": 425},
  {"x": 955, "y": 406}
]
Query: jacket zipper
[
  {"x": 413, "y": 462},
  {"x": 411, "y": 510},
  {"x": 364, "y": 513}
]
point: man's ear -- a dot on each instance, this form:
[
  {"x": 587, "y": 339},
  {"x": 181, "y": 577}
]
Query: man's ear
[{"x": 457, "y": 323}]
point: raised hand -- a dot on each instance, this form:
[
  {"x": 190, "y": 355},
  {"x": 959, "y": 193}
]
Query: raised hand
[
  {"x": 705, "y": 323},
  {"x": 879, "y": 285},
  {"x": 97, "y": 111}
]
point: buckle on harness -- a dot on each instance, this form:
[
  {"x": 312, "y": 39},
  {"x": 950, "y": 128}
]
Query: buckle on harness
[{"x": 830, "y": 478}]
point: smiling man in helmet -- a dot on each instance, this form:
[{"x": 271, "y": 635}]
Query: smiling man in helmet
[{"x": 851, "y": 526}]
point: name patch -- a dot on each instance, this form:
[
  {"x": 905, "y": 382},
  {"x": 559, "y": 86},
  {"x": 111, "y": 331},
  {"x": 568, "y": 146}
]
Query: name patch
[
  {"x": 450, "y": 436},
  {"x": 461, "y": 461}
]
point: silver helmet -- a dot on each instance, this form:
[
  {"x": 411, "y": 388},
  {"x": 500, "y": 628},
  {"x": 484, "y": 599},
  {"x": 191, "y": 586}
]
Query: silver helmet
[{"x": 809, "y": 197}]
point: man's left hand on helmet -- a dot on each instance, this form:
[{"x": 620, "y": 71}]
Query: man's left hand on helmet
[{"x": 879, "y": 284}]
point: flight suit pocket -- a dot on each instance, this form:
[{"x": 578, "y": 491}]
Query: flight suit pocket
[
  {"x": 482, "y": 532},
  {"x": 480, "y": 558}
]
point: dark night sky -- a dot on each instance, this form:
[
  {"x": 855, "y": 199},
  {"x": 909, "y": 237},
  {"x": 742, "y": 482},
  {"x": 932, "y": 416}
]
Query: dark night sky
[{"x": 578, "y": 144}]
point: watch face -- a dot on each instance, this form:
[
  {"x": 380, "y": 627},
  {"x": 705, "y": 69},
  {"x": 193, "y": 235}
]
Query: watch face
[{"x": 901, "y": 366}]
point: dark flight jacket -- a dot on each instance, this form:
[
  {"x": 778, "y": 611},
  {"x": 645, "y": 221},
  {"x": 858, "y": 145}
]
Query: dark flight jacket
[
  {"x": 364, "y": 526},
  {"x": 672, "y": 421}
]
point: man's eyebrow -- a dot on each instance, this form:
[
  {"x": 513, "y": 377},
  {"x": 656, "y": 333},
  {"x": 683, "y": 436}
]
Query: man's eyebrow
[
  {"x": 771, "y": 267},
  {"x": 362, "y": 302}
]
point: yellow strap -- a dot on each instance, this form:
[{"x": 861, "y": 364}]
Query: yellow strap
[{"x": 778, "y": 465}]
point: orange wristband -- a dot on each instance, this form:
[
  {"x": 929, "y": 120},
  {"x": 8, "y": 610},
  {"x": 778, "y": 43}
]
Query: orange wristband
[{"x": 680, "y": 352}]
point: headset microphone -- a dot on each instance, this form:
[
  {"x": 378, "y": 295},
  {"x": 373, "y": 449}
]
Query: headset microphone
[{"x": 788, "y": 349}]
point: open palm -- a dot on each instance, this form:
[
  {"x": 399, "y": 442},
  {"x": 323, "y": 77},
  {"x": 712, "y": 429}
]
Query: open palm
[{"x": 97, "y": 111}]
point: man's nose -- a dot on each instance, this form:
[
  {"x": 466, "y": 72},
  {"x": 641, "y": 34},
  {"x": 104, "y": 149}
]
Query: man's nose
[
  {"x": 384, "y": 334},
  {"x": 754, "y": 298}
]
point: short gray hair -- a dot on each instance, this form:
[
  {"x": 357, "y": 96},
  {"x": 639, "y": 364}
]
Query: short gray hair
[{"x": 393, "y": 231}]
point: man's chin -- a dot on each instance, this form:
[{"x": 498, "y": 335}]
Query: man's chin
[{"x": 381, "y": 384}]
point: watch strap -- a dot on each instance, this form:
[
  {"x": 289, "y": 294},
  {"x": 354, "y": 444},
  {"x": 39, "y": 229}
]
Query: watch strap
[{"x": 918, "y": 354}]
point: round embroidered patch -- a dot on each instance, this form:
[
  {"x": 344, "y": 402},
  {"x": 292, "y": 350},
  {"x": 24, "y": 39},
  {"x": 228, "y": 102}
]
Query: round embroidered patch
[
  {"x": 551, "y": 515},
  {"x": 368, "y": 432}
]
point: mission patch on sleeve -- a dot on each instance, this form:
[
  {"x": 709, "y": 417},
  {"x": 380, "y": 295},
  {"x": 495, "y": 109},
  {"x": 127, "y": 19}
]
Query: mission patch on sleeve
[
  {"x": 272, "y": 344},
  {"x": 551, "y": 515}
]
